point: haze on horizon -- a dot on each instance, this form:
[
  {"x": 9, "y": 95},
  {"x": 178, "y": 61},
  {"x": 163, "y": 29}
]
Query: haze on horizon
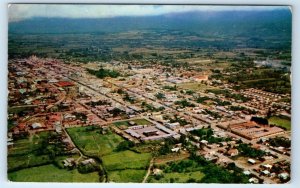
[{"x": 19, "y": 12}]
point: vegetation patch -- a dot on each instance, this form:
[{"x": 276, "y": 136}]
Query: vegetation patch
[
  {"x": 126, "y": 160},
  {"x": 280, "y": 121},
  {"x": 103, "y": 73},
  {"x": 194, "y": 86},
  {"x": 248, "y": 151},
  {"x": 50, "y": 173},
  {"x": 34, "y": 150},
  {"x": 127, "y": 176},
  {"x": 92, "y": 142},
  {"x": 189, "y": 177}
]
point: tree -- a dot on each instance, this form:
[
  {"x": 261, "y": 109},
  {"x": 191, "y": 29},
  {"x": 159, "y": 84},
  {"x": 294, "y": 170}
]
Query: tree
[
  {"x": 191, "y": 180},
  {"x": 160, "y": 95},
  {"x": 116, "y": 111},
  {"x": 260, "y": 120},
  {"x": 125, "y": 145}
]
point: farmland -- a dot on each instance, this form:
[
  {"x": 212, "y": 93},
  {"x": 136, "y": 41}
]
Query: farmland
[
  {"x": 179, "y": 177},
  {"x": 25, "y": 152},
  {"x": 195, "y": 86},
  {"x": 121, "y": 166},
  {"x": 282, "y": 122},
  {"x": 92, "y": 142},
  {"x": 129, "y": 175},
  {"x": 130, "y": 160},
  {"x": 50, "y": 173}
]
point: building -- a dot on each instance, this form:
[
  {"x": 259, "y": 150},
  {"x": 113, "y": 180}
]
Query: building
[
  {"x": 251, "y": 161},
  {"x": 233, "y": 152},
  {"x": 71, "y": 89}
]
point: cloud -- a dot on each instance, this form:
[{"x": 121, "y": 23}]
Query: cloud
[{"x": 24, "y": 11}]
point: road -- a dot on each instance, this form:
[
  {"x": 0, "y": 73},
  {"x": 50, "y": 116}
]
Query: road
[{"x": 148, "y": 171}]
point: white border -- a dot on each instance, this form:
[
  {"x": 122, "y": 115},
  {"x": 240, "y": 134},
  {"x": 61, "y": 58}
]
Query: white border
[{"x": 295, "y": 91}]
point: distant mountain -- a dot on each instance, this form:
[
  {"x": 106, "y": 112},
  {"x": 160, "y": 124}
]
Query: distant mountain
[{"x": 256, "y": 24}]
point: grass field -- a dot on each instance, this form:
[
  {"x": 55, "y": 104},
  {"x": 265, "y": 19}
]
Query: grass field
[
  {"x": 22, "y": 154},
  {"x": 141, "y": 122},
  {"x": 27, "y": 144},
  {"x": 93, "y": 142},
  {"x": 282, "y": 122},
  {"x": 126, "y": 160},
  {"x": 137, "y": 121},
  {"x": 178, "y": 177},
  {"x": 123, "y": 166},
  {"x": 194, "y": 86},
  {"x": 25, "y": 161},
  {"x": 126, "y": 176},
  {"x": 170, "y": 157},
  {"x": 50, "y": 173}
]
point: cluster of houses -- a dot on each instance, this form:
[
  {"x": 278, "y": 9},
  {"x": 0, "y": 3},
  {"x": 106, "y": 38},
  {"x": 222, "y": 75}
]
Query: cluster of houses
[
  {"x": 266, "y": 101},
  {"x": 67, "y": 96}
]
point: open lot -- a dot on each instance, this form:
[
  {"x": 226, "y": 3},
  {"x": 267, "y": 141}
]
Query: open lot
[
  {"x": 50, "y": 173},
  {"x": 130, "y": 175},
  {"x": 23, "y": 154},
  {"x": 181, "y": 171},
  {"x": 122, "y": 166},
  {"x": 171, "y": 157},
  {"x": 126, "y": 160},
  {"x": 178, "y": 177},
  {"x": 27, "y": 144},
  {"x": 282, "y": 122},
  {"x": 92, "y": 142},
  {"x": 195, "y": 86}
]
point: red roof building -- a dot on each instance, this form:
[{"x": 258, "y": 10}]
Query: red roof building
[{"x": 64, "y": 84}]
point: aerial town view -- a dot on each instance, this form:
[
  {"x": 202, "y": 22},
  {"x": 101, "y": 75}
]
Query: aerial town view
[{"x": 149, "y": 94}]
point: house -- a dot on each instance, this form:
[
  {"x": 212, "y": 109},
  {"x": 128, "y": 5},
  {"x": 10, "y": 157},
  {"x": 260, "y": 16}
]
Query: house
[
  {"x": 36, "y": 125},
  {"x": 132, "y": 123},
  {"x": 173, "y": 125},
  {"x": 284, "y": 175},
  {"x": 157, "y": 171},
  {"x": 253, "y": 180},
  {"x": 69, "y": 162},
  {"x": 247, "y": 172},
  {"x": 265, "y": 172},
  {"x": 268, "y": 166},
  {"x": 251, "y": 161},
  {"x": 200, "y": 78},
  {"x": 175, "y": 149},
  {"x": 204, "y": 142},
  {"x": 233, "y": 152},
  {"x": 88, "y": 161}
]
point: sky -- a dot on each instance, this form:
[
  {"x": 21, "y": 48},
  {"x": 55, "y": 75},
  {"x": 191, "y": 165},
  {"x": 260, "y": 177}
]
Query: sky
[{"x": 19, "y": 12}]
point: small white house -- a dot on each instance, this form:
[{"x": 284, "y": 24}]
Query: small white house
[{"x": 251, "y": 161}]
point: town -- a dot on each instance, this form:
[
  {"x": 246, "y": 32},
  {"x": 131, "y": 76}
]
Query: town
[{"x": 120, "y": 122}]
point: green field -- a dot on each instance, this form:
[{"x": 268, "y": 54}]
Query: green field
[
  {"x": 194, "y": 86},
  {"x": 126, "y": 176},
  {"x": 137, "y": 121},
  {"x": 122, "y": 166},
  {"x": 142, "y": 122},
  {"x": 178, "y": 177},
  {"x": 93, "y": 142},
  {"x": 25, "y": 161},
  {"x": 50, "y": 173},
  {"x": 282, "y": 122},
  {"x": 23, "y": 153},
  {"x": 126, "y": 160},
  {"x": 28, "y": 144}
]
